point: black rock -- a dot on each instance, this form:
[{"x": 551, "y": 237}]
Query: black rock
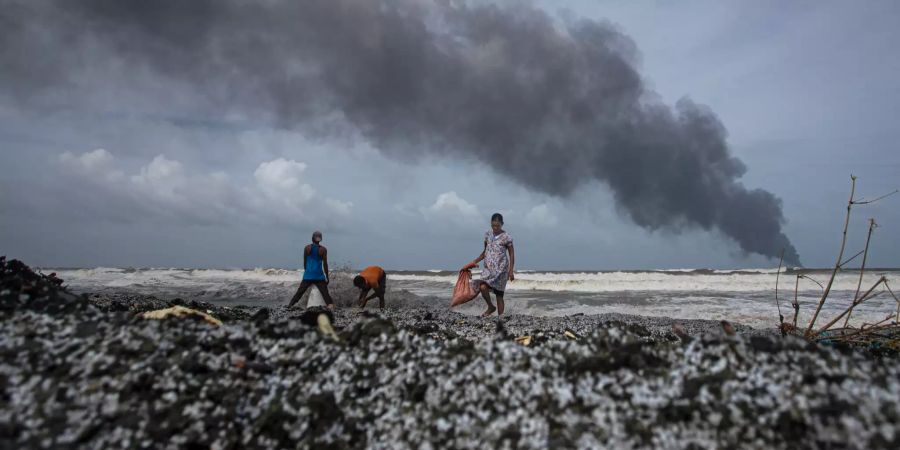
[
  {"x": 310, "y": 316},
  {"x": 261, "y": 315}
]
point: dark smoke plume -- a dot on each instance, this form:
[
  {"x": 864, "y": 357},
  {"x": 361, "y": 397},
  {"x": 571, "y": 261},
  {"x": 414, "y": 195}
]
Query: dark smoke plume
[{"x": 552, "y": 104}]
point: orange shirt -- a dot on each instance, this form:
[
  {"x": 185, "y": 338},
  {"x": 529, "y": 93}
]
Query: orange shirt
[{"x": 372, "y": 275}]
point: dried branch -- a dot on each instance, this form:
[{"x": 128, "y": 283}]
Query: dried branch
[
  {"x": 866, "y": 202},
  {"x": 851, "y": 258},
  {"x": 837, "y": 265},
  {"x": 876, "y": 324},
  {"x": 865, "y": 297},
  {"x": 811, "y": 279},
  {"x": 895, "y": 298},
  {"x": 862, "y": 270},
  {"x": 777, "y": 276},
  {"x": 866, "y": 334},
  {"x": 796, "y": 305}
]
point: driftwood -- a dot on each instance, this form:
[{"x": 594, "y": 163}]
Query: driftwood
[
  {"x": 837, "y": 265},
  {"x": 796, "y": 305},
  {"x": 884, "y": 334},
  {"x": 849, "y": 309},
  {"x": 777, "y": 302},
  {"x": 862, "y": 271}
]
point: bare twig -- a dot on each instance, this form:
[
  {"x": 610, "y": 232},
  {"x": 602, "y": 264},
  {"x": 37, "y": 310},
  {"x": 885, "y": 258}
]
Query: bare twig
[
  {"x": 837, "y": 265},
  {"x": 812, "y": 279},
  {"x": 870, "y": 296},
  {"x": 796, "y": 305},
  {"x": 851, "y": 258},
  {"x": 883, "y": 321},
  {"x": 862, "y": 270},
  {"x": 846, "y": 311},
  {"x": 777, "y": 276},
  {"x": 866, "y": 202},
  {"x": 859, "y": 332},
  {"x": 895, "y": 298}
]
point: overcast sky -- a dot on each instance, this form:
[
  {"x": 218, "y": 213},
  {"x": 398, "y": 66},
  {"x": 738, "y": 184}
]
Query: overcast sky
[{"x": 120, "y": 167}]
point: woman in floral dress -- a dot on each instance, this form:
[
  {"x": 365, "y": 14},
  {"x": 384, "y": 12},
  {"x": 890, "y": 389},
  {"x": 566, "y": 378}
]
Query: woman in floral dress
[{"x": 499, "y": 260}]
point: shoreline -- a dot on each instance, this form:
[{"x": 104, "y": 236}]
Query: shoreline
[
  {"x": 743, "y": 298},
  {"x": 89, "y": 371},
  {"x": 413, "y": 308}
]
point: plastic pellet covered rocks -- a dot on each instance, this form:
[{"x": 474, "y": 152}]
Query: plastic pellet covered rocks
[{"x": 73, "y": 375}]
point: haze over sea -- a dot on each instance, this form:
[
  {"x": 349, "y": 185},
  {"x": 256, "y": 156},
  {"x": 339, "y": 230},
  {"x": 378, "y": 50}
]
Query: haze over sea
[{"x": 742, "y": 295}]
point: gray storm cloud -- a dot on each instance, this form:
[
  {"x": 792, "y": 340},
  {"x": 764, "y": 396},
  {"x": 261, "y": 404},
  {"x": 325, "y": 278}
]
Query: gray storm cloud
[{"x": 552, "y": 104}]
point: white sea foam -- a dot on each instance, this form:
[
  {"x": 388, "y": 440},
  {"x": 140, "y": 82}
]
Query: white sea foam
[
  {"x": 744, "y": 295},
  {"x": 115, "y": 277},
  {"x": 659, "y": 281}
]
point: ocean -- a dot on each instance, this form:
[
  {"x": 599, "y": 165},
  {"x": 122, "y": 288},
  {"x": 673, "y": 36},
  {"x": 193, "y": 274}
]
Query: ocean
[{"x": 744, "y": 295}]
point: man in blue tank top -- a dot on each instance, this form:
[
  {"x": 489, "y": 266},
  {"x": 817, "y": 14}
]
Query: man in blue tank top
[{"x": 315, "y": 271}]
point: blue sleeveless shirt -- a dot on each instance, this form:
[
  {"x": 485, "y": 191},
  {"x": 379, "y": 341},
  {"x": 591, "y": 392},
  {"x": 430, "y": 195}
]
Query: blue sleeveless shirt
[{"x": 312, "y": 268}]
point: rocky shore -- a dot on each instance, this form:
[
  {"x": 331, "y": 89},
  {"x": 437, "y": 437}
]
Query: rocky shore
[{"x": 89, "y": 371}]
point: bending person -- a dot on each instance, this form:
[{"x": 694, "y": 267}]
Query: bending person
[
  {"x": 498, "y": 267},
  {"x": 315, "y": 271},
  {"x": 371, "y": 278}
]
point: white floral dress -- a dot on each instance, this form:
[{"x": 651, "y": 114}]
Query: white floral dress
[{"x": 496, "y": 261}]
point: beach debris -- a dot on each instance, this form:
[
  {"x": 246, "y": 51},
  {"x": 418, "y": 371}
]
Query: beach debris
[
  {"x": 500, "y": 330},
  {"x": 87, "y": 377},
  {"x": 878, "y": 337},
  {"x": 728, "y": 328},
  {"x": 261, "y": 315},
  {"x": 55, "y": 279},
  {"x": 524, "y": 340},
  {"x": 326, "y": 328},
  {"x": 777, "y": 302},
  {"x": 862, "y": 270},
  {"x": 370, "y": 328},
  {"x": 787, "y": 328},
  {"x": 570, "y": 334},
  {"x": 679, "y": 331},
  {"x": 23, "y": 288},
  {"x": 181, "y": 311},
  {"x": 310, "y": 316}
]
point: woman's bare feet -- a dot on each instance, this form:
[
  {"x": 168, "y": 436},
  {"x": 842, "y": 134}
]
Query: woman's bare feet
[{"x": 489, "y": 311}]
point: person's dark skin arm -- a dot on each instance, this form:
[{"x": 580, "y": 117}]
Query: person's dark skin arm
[
  {"x": 324, "y": 253},
  {"x": 481, "y": 256},
  {"x": 362, "y": 297},
  {"x": 512, "y": 262},
  {"x": 379, "y": 292}
]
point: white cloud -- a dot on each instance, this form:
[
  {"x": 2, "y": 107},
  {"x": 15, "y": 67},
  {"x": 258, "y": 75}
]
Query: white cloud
[
  {"x": 450, "y": 207},
  {"x": 165, "y": 187},
  {"x": 283, "y": 193},
  {"x": 97, "y": 159},
  {"x": 281, "y": 179},
  {"x": 96, "y": 165},
  {"x": 162, "y": 178},
  {"x": 160, "y": 170},
  {"x": 540, "y": 216},
  {"x": 338, "y": 206}
]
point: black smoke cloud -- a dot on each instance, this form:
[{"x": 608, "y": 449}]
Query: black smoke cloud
[{"x": 552, "y": 104}]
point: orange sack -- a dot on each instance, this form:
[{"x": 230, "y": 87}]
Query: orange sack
[{"x": 463, "y": 291}]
